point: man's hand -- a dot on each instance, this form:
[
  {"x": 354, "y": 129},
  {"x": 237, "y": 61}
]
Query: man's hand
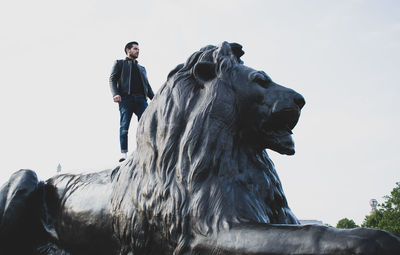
[{"x": 117, "y": 98}]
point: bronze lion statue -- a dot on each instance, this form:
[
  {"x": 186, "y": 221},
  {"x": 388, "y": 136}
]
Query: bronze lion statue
[{"x": 200, "y": 182}]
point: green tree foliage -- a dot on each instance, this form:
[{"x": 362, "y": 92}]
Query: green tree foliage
[
  {"x": 387, "y": 215},
  {"x": 346, "y": 223}
]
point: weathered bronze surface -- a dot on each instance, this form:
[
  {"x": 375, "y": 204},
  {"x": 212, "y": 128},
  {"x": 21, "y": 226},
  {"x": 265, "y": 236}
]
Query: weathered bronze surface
[{"x": 200, "y": 182}]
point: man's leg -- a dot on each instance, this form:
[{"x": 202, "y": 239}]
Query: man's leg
[
  {"x": 140, "y": 106},
  {"x": 126, "y": 110}
]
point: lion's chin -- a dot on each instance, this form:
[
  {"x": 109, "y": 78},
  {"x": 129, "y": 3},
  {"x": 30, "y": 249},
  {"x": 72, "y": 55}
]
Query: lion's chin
[{"x": 281, "y": 142}]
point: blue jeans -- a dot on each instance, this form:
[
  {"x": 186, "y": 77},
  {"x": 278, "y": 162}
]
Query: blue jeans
[{"x": 129, "y": 105}]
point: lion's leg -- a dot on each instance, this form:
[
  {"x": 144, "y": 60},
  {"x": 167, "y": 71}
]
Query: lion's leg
[{"x": 296, "y": 239}]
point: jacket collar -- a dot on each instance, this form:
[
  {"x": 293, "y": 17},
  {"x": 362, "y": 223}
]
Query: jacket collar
[{"x": 131, "y": 60}]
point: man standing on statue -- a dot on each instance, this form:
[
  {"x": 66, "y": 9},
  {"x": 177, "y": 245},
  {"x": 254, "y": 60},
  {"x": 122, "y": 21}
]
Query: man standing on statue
[{"x": 130, "y": 88}]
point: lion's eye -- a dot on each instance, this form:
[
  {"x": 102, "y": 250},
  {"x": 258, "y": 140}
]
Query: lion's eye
[{"x": 262, "y": 81}]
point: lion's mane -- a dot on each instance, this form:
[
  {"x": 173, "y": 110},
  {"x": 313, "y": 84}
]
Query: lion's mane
[{"x": 191, "y": 172}]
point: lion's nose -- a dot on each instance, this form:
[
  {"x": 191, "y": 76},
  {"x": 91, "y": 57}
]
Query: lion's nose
[{"x": 299, "y": 100}]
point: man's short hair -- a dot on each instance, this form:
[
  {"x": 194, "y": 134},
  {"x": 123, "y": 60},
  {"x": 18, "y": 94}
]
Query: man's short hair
[{"x": 129, "y": 45}]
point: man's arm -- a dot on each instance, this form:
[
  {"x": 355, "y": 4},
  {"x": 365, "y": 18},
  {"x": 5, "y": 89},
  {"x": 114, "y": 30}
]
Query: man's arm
[
  {"x": 114, "y": 77},
  {"x": 150, "y": 93}
]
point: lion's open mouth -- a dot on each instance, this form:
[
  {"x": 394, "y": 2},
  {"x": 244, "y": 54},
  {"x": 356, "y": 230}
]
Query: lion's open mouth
[
  {"x": 284, "y": 119},
  {"x": 277, "y": 131}
]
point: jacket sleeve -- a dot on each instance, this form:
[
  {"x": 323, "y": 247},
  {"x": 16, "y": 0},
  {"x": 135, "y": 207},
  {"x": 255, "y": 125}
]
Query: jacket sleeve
[
  {"x": 150, "y": 93},
  {"x": 114, "y": 77}
]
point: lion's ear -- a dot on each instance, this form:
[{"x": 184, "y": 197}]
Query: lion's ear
[{"x": 204, "y": 71}]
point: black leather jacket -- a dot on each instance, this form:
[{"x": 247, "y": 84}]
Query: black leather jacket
[{"x": 120, "y": 78}]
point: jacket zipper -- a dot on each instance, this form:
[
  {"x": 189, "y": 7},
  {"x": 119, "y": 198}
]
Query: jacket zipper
[{"x": 130, "y": 77}]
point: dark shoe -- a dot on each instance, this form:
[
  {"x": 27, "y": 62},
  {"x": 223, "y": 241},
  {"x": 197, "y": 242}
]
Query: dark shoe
[{"x": 121, "y": 159}]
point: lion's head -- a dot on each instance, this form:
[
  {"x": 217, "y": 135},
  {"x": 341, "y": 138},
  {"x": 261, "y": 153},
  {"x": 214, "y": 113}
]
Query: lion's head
[
  {"x": 260, "y": 112},
  {"x": 201, "y": 163}
]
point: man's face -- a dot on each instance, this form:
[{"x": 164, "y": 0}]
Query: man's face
[{"x": 133, "y": 52}]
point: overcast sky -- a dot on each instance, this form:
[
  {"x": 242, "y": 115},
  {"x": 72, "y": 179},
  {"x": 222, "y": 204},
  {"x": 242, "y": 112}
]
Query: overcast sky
[{"x": 342, "y": 56}]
